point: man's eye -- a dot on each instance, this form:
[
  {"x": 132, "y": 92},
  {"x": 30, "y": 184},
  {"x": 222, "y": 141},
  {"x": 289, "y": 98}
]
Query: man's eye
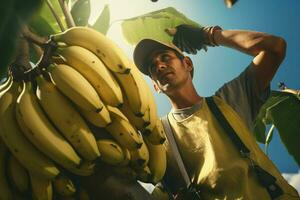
[{"x": 165, "y": 57}]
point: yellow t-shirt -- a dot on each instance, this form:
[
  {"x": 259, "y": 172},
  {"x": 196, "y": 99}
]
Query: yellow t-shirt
[{"x": 214, "y": 163}]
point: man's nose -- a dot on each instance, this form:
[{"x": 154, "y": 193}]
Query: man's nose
[{"x": 160, "y": 66}]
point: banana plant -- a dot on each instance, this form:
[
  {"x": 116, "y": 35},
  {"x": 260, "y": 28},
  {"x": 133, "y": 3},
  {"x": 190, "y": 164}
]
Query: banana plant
[{"x": 281, "y": 111}]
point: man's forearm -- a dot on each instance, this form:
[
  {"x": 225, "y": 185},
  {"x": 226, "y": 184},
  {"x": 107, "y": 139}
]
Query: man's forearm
[{"x": 250, "y": 42}]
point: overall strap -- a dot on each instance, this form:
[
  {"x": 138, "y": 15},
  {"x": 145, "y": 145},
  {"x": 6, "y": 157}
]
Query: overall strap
[
  {"x": 264, "y": 178},
  {"x": 174, "y": 150},
  {"x": 227, "y": 127}
]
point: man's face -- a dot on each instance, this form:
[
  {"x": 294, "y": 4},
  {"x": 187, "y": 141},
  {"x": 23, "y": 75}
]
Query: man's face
[{"x": 168, "y": 71}]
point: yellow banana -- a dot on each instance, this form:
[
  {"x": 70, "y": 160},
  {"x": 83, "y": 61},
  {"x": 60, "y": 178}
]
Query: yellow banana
[
  {"x": 157, "y": 161},
  {"x": 100, "y": 119},
  {"x": 88, "y": 38},
  {"x": 38, "y": 129},
  {"x": 139, "y": 122},
  {"x": 17, "y": 174},
  {"x": 41, "y": 187},
  {"x": 5, "y": 190},
  {"x": 153, "y": 116},
  {"x": 157, "y": 135},
  {"x": 64, "y": 186},
  {"x": 5, "y": 85},
  {"x": 144, "y": 174},
  {"x": 72, "y": 84},
  {"x": 93, "y": 69},
  {"x": 86, "y": 168},
  {"x": 111, "y": 152},
  {"x": 122, "y": 131},
  {"x": 139, "y": 157},
  {"x": 133, "y": 86},
  {"x": 66, "y": 118},
  {"x": 127, "y": 157},
  {"x": 31, "y": 158}
]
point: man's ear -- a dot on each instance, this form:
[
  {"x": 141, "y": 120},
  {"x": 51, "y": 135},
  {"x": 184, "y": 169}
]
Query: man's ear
[{"x": 189, "y": 63}]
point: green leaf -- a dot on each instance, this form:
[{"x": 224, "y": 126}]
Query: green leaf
[
  {"x": 283, "y": 110},
  {"x": 81, "y": 12},
  {"x": 44, "y": 23},
  {"x": 16, "y": 15},
  {"x": 102, "y": 23},
  {"x": 153, "y": 25},
  {"x": 263, "y": 118},
  {"x": 286, "y": 118},
  {"x": 41, "y": 27}
]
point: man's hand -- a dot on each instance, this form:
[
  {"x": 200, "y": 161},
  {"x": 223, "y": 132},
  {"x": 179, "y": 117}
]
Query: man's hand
[{"x": 190, "y": 38}]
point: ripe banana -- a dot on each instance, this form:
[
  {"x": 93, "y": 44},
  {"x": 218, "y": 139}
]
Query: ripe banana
[
  {"x": 93, "y": 69},
  {"x": 139, "y": 122},
  {"x": 144, "y": 174},
  {"x": 64, "y": 186},
  {"x": 133, "y": 86},
  {"x": 5, "y": 190},
  {"x": 72, "y": 84},
  {"x": 17, "y": 174},
  {"x": 86, "y": 168},
  {"x": 111, "y": 152},
  {"x": 139, "y": 157},
  {"x": 127, "y": 157},
  {"x": 157, "y": 161},
  {"x": 153, "y": 116},
  {"x": 113, "y": 57},
  {"x": 63, "y": 115},
  {"x": 41, "y": 187},
  {"x": 157, "y": 135},
  {"x": 122, "y": 131},
  {"x": 31, "y": 158},
  {"x": 5, "y": 85},
  {"x": 100, "y": 119},
  {"x": 38, "y": 129}
]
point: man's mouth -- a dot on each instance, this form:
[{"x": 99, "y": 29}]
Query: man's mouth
[{"x": 163, "y": 75}]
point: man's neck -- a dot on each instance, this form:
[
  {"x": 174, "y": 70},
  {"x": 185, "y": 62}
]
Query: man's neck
[{"x": 184, "y": 97}]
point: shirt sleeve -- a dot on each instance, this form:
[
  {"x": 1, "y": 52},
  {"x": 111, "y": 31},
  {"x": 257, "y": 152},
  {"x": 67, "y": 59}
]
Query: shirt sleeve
[{"x": 241, "y": 95}]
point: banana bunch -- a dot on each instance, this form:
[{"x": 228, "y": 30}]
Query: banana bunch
[{"x": 52, "y": 125}]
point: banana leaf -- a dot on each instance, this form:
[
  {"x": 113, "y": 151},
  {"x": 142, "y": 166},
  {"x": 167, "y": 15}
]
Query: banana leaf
[
  {"x": 81, "y": 11},
  {"x": 102, "y": 23},
  {"x": 44, "y": 19},
  {"x": 152, "y": 25},
  {"x": 283, "y": 110}
]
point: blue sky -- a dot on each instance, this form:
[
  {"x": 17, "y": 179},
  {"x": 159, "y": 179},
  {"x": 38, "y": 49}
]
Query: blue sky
[{"x": 220, "y": 64}]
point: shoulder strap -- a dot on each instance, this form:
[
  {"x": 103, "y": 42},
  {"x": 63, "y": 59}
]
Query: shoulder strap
[
  {"x": 267, "y": 180},
  {"x": 174, "y": 150},
  {"x": 227, "y": 127}
]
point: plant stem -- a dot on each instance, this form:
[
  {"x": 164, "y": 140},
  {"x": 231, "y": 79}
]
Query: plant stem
[
  {"x": 55, "y": 15},
  {"x": 30, "y": 36},
  {"x": 67, "y": 13},
  {"x": 21, "y": 61}
]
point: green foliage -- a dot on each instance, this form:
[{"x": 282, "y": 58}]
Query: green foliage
[
  {"x": 81, "y": 12},
  {"x": 282, "y": 109},
  {"x": 102, "y": 23},
  {"x": 16, "y": 13},
  {"x": 44, "y": 23},
  {"x": 153, "y": 25}
]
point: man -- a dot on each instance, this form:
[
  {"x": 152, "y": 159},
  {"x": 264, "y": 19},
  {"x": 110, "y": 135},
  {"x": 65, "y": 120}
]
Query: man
[{"x": 212, "y": 161}]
